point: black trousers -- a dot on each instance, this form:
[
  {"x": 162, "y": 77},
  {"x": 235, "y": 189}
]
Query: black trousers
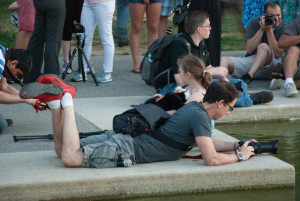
[
  {"x": 213, "y": 8},
  {"x": 45, "y": 42}
]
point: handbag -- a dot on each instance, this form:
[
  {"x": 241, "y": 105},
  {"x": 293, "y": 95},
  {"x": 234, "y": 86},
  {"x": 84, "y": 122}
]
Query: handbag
[{"x": 180, "y": 12}]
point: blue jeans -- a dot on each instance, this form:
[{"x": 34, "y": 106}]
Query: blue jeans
[
  {"x": 122, "y": 19},
  {"x": 3, "y": 124},
  {"x": 243, "y": 101}
]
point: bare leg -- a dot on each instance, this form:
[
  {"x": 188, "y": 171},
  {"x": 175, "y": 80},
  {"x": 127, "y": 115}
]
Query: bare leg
[
  {"x": 153, "y": 15},
  {"x": 66, "y": 47},
  {"x": 162, "y": 26},
  {"x": 290, "y": 62},
  {"x": 22, "y": 39},
  {"x": 227, "y": 63},
  {"x": 136, "y": 18},
  {"x": 71, "y": 154},
  {"x": 57, "y": 125},
  {"x": 263, "y": 57}
]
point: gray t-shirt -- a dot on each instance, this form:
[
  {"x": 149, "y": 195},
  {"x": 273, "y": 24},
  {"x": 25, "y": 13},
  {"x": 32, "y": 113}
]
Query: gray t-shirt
[
  {"x": 189, "y": 121},
  {"x": 254, "y": 27},
  {"x": 293, "y": 29}
]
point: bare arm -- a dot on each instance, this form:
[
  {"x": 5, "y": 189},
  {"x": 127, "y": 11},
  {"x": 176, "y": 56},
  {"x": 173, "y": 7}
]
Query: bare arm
[
  {"x": 286, "y": 41},
  {"x": 274, "y": 44},
  {"x": 209, "y": 149},
  {"x": 252, "y": 43}
]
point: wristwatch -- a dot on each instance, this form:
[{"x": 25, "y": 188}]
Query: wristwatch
[{"x": 239, "y": 155}]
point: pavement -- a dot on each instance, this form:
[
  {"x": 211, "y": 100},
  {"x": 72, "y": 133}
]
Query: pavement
[{"x": 30, "y": 169}]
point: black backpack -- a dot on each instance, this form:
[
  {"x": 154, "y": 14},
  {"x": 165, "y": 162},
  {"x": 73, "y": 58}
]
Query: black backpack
[
  {"x": 141, "y": 119},
  {"x": 150, "y": 70}
]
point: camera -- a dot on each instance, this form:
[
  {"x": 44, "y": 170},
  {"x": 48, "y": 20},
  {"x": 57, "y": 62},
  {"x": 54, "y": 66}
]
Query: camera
[
  {"x": 78, "y": 28},
  {"x": 269, "y": 20},
  {"x": 263, "y": 147}
]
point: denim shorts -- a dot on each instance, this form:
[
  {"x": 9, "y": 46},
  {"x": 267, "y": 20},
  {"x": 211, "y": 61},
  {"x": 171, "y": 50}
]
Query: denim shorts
[
  {"x": 142, "y": 1},
  {"x": 167, "y": 5}
]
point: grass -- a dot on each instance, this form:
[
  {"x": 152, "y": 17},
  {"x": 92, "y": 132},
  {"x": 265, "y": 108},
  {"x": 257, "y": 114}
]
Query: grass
[{"x": 232, "y": 35}]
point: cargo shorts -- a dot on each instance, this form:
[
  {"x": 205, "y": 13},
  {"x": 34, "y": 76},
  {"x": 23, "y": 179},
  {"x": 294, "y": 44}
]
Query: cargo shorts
[{"x": 104, "y": 150}]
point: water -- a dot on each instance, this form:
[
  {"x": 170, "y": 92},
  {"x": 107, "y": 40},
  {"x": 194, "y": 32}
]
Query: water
[{"x": 288, "y": 134}]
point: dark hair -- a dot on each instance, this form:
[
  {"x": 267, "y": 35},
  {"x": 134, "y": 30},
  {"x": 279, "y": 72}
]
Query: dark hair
[
  {"x": 23, "y": 58},
  {"x": 221, "y": 90},
  {"x": 193, "y": 20},
  {"x": 196, "y": 67},
  {"x": 271, "y": 4}
]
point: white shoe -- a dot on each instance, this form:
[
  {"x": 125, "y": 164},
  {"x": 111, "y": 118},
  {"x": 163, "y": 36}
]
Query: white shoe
[
  {"x": 290, "y": 89},
  {"x": 276, "y": 84}
]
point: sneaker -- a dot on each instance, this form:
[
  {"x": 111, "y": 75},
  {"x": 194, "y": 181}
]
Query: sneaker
[
  {"x": 78, "y": 77},
  {"x": 65, "y": 65},
  {"x": 104, "y": 77},
  {"x": 123, "y": 42},
  {"x": 44, "y": 92},
  {"x": 54, "y": 79},
  {"x": 290, "y": 89},
  {"x": 247, "y": 78},
  {"x": 9, "y": 122},
  {"x": 276, "y": 84},
  {"x": 261, "y": 97},
  {"x": 92, "y": 68}
]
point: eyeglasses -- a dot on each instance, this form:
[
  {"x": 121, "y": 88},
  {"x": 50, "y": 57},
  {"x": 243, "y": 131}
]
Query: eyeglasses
[
  {"x": 230, "y": 107},
  {"x": 206, "y": 26}
]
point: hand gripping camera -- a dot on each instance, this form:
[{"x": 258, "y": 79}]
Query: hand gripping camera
[
  {"x": 269, "y": 20},
  {"x": 263, "y": 147}
]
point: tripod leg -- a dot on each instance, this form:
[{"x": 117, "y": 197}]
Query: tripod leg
[
  {"x": 80, "y": 65},
  {"x": 69, "y": 64},
  {"x": 80, "y": 51}
]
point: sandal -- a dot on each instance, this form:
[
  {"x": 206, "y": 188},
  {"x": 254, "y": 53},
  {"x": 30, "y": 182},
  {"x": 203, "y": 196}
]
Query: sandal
[{"x": 136, "y": 71}]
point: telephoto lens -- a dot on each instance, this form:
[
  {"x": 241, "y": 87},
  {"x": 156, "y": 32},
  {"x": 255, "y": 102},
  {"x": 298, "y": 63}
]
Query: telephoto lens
[
  {"x": 124, "y": 163},
  {"x": 263, "y": 147}
]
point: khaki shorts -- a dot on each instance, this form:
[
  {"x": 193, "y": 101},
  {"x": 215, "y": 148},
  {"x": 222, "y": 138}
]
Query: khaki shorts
[
  {"x": 103, "y": 151},
  {"x": 242, "y": 66}
]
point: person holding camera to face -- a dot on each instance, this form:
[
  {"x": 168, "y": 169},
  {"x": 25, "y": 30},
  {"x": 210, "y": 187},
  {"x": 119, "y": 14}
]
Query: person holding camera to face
[{"x": 263, "y": 53}]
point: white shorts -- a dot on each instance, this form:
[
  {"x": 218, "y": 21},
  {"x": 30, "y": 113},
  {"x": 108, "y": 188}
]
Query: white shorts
[{"x": 242, "y": 66}]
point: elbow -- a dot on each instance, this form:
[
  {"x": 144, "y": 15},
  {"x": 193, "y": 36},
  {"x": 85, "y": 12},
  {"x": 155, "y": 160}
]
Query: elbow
[{"x": 211, "y": 162}]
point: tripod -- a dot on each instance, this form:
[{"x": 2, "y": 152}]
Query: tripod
[{"x": 80, "y": 62}]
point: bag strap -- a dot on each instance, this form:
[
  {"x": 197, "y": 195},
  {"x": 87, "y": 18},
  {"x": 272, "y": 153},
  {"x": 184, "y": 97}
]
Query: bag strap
[{"x": 169, "y": 141}]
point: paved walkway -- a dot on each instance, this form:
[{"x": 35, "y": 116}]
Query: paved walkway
[{"x": 30, "y": 170}]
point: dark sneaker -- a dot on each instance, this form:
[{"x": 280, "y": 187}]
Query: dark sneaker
[
  {"x": 247, "y": 78},
  {"x": 55, "y": 80},
  {"x": 43, "y": 92},
  {"x": 261, "y": 97},
  {"x": 9, "y": 122},
  {"x": 122, "y": 43}
]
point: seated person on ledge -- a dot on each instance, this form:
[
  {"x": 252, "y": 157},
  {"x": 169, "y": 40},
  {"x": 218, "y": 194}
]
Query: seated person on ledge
[
  {"x": 291, "y": 66},
  {"x": 197, "y": 27},
  {"x": 189, "y": 126},
  {"x": 263, "y": 53}
]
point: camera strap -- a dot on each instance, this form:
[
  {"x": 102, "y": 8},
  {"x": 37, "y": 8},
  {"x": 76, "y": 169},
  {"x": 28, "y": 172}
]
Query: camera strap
[{"x": 169, "y": 141}]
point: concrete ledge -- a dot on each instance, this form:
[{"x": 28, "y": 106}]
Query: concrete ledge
[{"x": 41, "y": 176}]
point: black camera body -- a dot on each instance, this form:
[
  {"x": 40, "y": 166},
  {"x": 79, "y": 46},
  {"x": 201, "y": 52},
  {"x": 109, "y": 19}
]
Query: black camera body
[
  {"x": 78, "y": 28},
  {"x": 263, "y": 147},
  {"x": 270, "y": 19}
]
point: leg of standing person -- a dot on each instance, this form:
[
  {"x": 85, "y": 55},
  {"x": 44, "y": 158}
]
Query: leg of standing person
[
  {"x": 137, "y": 11},
  {"x": 153, "y": 15},
  {"x": 166, "y": 7},
  {"x": 104, "y": 16},
  {"x": 122, "y": 19},
  {"x": 26, "y": 12},
  {"x": 88, "y": 20},
  {"x": 55, "y": 24}
]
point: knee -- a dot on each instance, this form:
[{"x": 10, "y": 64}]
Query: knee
[
  {"x": 293, "y": 52},
  {"x": 136, "y": 28},
  {"x": 152, "y": 29},
  {"x": 227, "y": 63},
  {"x": 263, "y": 47},
  {"x": 70, "y": 160}
]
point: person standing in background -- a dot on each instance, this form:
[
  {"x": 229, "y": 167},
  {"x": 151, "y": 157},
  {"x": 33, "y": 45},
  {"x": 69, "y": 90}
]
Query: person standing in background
[
  {"x": 122, "y": 19},
  {"x": 137, "y": 8},
  {"x": 45, "y": 42},
  {"x": 100, "y": 13}
]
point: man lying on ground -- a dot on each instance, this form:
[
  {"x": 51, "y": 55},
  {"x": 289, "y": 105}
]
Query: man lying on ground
[{"x": 189, "y": 126}]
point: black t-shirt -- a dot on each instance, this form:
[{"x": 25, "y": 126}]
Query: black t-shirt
[{"x": 177, "y": 49}]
